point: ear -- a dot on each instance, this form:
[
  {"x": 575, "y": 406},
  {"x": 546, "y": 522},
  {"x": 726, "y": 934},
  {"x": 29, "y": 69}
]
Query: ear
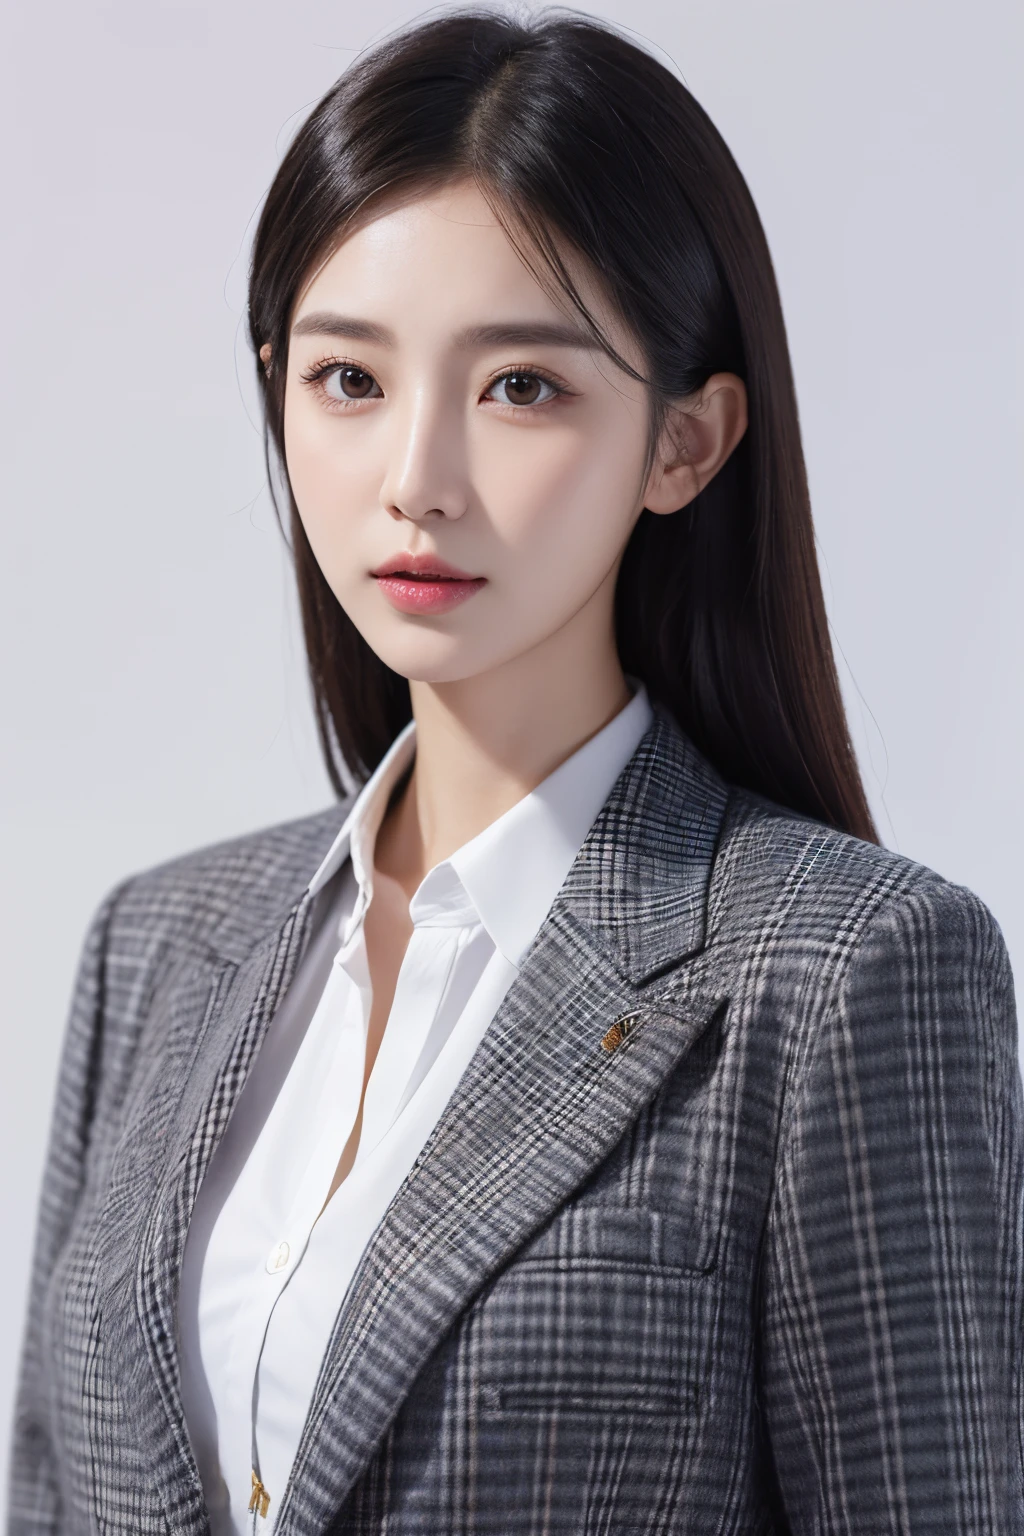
[
  {"x": 265, "y": 352},
  {"x": 699, "y": 434}
]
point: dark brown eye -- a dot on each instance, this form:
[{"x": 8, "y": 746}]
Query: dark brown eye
[
  {"x": 522, "y": 389},
  {"x": 355, "y": 383},
  {"x": 349, "y": 383}
]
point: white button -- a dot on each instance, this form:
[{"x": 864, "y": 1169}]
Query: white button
[{"x": 277, "y": 1259}]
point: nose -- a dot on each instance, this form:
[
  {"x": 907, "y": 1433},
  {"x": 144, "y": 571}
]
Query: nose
[{"x": 426, "y": 468}]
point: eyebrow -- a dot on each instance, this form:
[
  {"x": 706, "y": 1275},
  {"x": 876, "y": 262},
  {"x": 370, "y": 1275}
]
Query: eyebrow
[{"x": 524, "y": 333}]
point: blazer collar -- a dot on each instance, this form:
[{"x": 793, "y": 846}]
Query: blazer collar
[{"x": 640, "y": 881}]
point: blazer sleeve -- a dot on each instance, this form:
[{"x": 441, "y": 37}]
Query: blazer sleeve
[
  {"x": 34, "y": 1503},
  {"x": 891, "y": 1290}
]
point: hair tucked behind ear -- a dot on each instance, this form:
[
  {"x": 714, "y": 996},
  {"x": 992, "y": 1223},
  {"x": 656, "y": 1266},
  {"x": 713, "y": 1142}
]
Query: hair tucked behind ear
[{"x": 575, "y": 134}]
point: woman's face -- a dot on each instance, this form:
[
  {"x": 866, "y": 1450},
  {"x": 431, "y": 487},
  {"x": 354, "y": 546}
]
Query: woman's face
[{"x": 444, "y": 415}]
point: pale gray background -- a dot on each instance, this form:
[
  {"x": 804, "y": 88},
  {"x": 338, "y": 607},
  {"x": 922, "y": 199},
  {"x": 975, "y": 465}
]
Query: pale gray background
[{"x": 153, "y": 691}]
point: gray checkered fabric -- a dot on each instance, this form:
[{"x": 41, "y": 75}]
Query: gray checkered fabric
[{"x": 749, "y": 1263}]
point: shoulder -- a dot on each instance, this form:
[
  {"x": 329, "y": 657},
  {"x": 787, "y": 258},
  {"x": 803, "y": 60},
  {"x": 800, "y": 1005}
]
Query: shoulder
[
  {"x": 224, "y": 894},
  {"x": 851, "y": 967},
  {"x": 823, "y": 904}
]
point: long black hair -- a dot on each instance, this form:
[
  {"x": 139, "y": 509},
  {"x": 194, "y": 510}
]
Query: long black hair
[{"x": 573, "y": 133}]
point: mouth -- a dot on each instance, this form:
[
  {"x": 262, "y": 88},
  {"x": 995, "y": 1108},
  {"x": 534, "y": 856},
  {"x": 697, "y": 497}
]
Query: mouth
[{"x": 425, "y": 583}]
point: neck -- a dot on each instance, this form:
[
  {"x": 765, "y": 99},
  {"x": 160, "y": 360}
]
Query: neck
[{"x": 484, "y": 742}]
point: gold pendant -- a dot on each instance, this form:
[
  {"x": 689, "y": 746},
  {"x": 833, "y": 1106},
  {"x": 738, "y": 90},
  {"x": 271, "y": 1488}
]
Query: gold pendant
[{"x": 260, "y": 1498}]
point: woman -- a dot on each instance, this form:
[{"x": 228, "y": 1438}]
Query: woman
[{"x": 585, "y": 1126}]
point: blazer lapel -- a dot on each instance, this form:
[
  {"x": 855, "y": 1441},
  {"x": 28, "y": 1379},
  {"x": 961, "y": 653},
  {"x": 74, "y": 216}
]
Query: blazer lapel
[
  {"x": 249, "y": 999},
  {"x": 601, "y": 1012},
  {"x": 219, "y": 1010}
]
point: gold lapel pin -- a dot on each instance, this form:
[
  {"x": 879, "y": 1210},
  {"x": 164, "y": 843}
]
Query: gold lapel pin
[{"x": 618, "y": 1032}]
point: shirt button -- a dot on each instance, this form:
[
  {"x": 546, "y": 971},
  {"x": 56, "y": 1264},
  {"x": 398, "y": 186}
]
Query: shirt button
[{"x": 277, "y": 1259}]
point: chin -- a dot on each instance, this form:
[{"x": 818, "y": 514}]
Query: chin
[
  {"x": 437, "y": 672},
  {"x": 430, "y": 658}
]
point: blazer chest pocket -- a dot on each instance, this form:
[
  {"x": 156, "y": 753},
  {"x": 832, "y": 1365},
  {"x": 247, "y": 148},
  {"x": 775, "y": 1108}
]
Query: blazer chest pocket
[{"x": 603, "y": 1313}]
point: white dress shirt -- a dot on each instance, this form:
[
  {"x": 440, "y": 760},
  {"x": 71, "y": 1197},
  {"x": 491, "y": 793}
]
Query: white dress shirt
[{"x": 267, "y": 1263}]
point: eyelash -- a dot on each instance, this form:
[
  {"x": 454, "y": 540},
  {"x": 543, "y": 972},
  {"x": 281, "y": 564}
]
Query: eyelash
[{"x": 315, "y": 376}]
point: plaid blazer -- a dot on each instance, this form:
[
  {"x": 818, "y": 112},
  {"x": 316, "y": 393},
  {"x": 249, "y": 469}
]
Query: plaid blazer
[{"x": 721, "y": 1231}]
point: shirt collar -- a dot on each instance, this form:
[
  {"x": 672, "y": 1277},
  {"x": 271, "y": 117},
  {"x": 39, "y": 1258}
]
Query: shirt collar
[
  {"x": 510, "y": 873},
  {"x": 358, "y": 832}
]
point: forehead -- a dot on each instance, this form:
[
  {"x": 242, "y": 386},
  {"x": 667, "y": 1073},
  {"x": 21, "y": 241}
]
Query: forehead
[{"x": 436, "y": 258}]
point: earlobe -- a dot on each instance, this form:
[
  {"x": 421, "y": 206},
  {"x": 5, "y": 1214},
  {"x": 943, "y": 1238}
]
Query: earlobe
[
  {"x": 265, "y": 354},
  {"x": 699, "y": 435}
]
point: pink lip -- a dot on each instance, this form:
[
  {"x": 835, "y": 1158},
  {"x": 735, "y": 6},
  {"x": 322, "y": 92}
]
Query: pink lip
[{"x": 425, "y": 583}]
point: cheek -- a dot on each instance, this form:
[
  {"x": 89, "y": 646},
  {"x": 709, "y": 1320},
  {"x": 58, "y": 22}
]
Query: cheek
[
  {"x": 563, "y": 495},
  {"x": 328, "y": 474}
]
